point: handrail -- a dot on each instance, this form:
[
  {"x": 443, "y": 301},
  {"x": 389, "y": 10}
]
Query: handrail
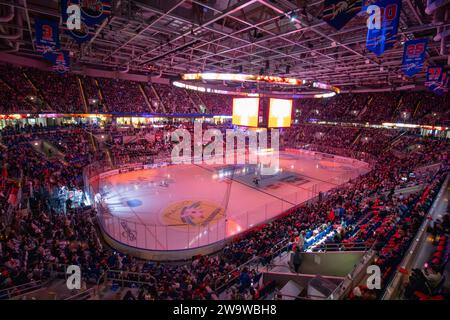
[
  {"x": 122, "y": 273},
  {"x": 309, "y": 297},
  {"x": 269, "y": 266},
  {"x": 83, "y": 295},
  {"x": 342, "y": 246},
  {"x": 253, "y": 260},
  {"x": 103, "y": 276},
  {"x": 353, "y": 277},
  {"x": 12, "y": 292}
]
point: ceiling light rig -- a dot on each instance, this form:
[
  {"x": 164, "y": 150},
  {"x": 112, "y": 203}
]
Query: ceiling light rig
[{"x": 268, "y": 85}]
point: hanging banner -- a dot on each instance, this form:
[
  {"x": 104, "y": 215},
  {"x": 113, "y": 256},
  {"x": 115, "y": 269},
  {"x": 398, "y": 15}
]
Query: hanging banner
[
  {"x": 94, "y": 12},
  {"x": 47, "y": 36},
  {"x": 61, "y": 61},
  {"x": 445, "y": 83},
  {"x": 382, "y": 32},
  {"x": 338, "y": 13},
  {"x": 437, "y": 80},
  {"x": 80, "y": 35},
  {"x": 414, "y": 55}
]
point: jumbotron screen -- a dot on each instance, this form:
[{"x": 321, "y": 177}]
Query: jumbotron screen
[
  {"x": 280, "y": 113},
  {"x": 246, "y": 112}
]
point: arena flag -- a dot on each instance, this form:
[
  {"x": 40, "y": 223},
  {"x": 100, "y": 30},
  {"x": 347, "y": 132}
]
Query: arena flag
[
  {"x": 380, "y": 40},
  {"x": 437, "y": 80},
  {"x": 338, "y": 13},
  {"x": 47, "y": 36},
  {"x": 414, "y": 56}
]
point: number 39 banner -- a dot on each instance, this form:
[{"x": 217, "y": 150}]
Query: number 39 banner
[{"x": 414, "y": 56}]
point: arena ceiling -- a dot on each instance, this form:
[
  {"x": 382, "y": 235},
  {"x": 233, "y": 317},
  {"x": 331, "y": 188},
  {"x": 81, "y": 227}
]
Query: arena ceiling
[{"x": 169, "y": 37}]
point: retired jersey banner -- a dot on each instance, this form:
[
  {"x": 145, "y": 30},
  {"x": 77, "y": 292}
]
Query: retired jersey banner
[
  {"x": 414, "y": 56},
  {"x": 94, "y": 12},
  {"x": 381, "y": 39},
  {"x": 47, "y": 36},
  {"x": 61, "y": 61},
  {"x": 437, "y": 80},
  {"x": 83, "y": 33},
  {"x": 337, "y": 13}
]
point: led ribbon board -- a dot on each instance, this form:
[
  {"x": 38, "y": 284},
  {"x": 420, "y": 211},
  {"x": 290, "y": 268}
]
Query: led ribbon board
[{"x": 291, "y": 87}]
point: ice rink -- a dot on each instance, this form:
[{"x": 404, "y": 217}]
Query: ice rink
[{"x": 186, "y": 206}]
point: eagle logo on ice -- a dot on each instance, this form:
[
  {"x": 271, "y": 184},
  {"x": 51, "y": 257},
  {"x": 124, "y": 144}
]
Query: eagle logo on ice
[{"x": 194, "y": 213}]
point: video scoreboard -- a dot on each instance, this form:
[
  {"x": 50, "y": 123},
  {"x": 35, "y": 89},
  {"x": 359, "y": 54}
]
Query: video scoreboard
[{"x": 262, "y": 113}]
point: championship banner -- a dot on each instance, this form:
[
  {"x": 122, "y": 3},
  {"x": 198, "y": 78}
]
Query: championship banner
[
  {"x": 380, "y": 40},
  {"x": 337, "y": 13},
  {"x": 414, "y": 56},
  {"x": 61, "y": 61},
  {"x": 437, "y": 80},
  {"x": 47, "y": 36}
]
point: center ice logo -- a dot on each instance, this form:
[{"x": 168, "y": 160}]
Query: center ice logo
[{"x": 194, "y": 213}]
